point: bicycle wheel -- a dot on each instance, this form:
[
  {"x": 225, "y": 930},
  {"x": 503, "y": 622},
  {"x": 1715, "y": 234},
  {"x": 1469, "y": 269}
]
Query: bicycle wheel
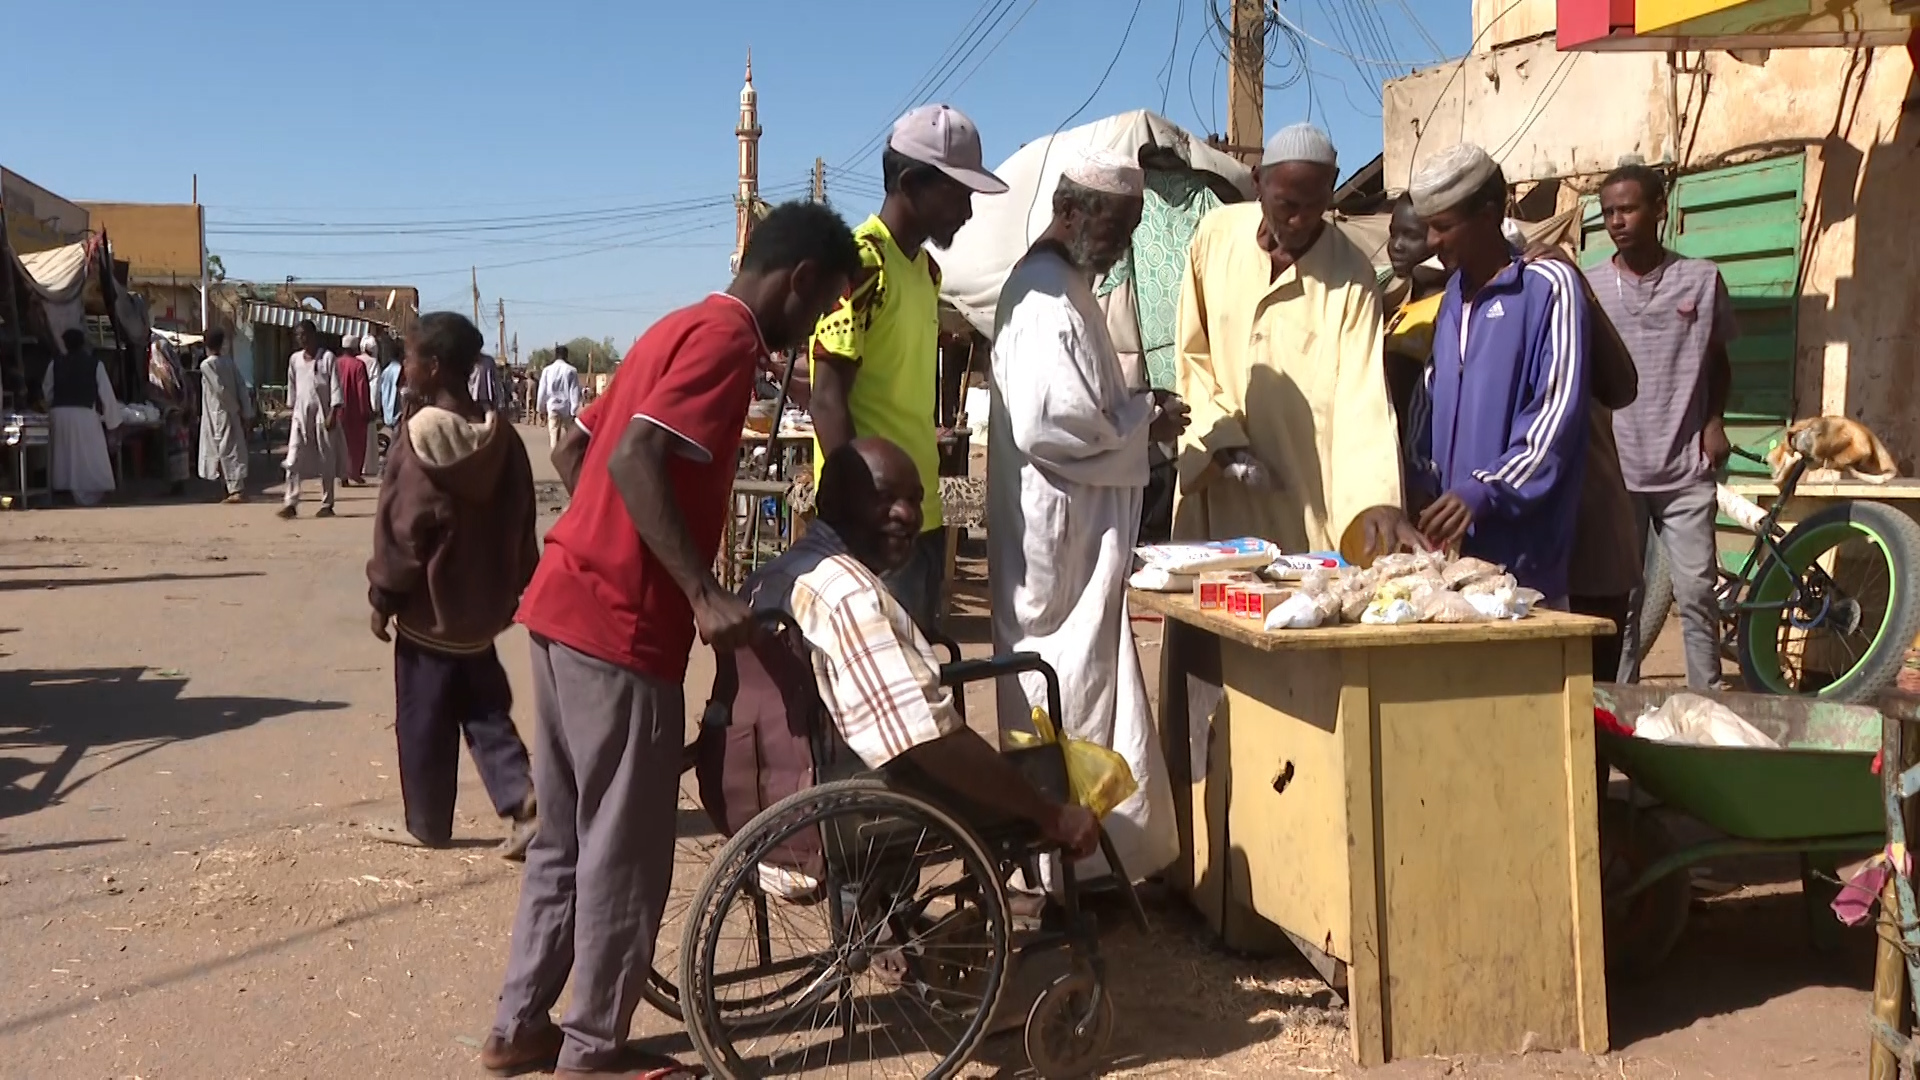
[
  {"x": 1657, "y": 601},
  {"x": 1846, "y": 634},
  {"x": 695, "y": 845}
]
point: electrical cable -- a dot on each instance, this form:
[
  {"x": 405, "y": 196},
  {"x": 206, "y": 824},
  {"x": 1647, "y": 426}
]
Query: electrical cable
[
  {"x": 1458, "y": 66},
  {"x": 1421, "y": 27},
  {"x": 936, "y": 78},
  {"x": 1047, "y": 151},
  {"x": 954, "y": 91},
  {"x": 1173, "y": 53}
]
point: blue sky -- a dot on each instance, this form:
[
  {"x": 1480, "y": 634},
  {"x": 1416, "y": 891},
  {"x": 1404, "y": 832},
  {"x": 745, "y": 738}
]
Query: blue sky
[{"x": 582, "y": 154}]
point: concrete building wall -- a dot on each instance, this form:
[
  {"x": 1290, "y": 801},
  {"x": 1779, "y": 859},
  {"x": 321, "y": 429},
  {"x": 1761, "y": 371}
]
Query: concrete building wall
[
  {"x": 1503, "y": 22},
  {"x": 1859, "y": 327}
]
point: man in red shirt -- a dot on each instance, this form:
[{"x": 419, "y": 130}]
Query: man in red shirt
[{"x": 622, "y": 587}]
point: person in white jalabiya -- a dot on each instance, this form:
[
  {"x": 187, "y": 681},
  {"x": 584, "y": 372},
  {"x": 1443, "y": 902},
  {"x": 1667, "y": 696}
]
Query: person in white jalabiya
[
  {"x": 81, "y": 407},
  {"x": 558, "y": 397},
  {"x": 1066, "y": 482},
  {"x": 226, "y": 409},
  {"x": 314, "y": 399}
]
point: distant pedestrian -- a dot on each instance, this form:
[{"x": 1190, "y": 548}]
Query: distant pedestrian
[
  {"x": 313, "y": 397},
  {"x": 453, "y": 547},
  {"x": 226, "y": 410},
  {"x": 81, "y": 406},
  {"x": 558, "y": 399},
  {"x": 484, "y": 383},
  {"x": 370, "y": 355},
  {"x": 356, "y": 409}
]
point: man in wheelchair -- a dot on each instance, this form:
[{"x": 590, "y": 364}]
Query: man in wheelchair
[{"x": 877, "y": 676}]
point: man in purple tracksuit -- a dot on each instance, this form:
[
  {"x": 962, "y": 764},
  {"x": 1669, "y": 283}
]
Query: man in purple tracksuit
[{"x": 1500, "y": 433}]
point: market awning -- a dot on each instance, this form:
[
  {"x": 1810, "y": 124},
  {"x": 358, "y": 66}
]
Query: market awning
[{"x": 337, "y": 325}]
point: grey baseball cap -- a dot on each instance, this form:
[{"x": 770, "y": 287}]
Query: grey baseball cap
[{"x": 943, "y": 137}]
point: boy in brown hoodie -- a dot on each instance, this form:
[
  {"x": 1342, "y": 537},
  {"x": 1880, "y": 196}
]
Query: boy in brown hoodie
[{"x": 453, "y": 547}]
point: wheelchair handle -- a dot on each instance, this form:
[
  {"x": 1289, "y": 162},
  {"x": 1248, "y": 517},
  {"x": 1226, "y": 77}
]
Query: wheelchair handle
[{"x": 962, "y": 672}]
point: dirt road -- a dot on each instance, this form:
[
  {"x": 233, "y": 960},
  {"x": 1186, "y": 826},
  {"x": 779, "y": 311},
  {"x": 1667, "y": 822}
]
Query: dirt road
[{"x": 195, "y": 721}]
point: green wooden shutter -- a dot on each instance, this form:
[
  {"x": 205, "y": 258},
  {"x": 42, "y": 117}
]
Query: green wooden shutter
[{"x": 1746, "y": 218}]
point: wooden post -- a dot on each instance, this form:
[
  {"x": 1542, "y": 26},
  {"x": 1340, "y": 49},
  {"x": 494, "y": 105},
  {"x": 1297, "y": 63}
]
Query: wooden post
[
  {"x": 1246, "y": 83},
  {"x": 819, "y": 180},
  {"x": 1889, "y": 983}
]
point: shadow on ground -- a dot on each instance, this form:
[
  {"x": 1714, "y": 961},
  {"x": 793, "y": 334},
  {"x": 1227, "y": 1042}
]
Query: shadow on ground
[{"x": 68, "y": 713}]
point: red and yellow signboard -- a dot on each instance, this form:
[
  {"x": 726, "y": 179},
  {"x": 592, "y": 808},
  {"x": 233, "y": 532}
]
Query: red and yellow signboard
[{"x": 1664, "y": 25}]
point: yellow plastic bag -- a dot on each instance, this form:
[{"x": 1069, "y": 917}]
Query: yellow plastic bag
[{"x": 1098, "y": 778}]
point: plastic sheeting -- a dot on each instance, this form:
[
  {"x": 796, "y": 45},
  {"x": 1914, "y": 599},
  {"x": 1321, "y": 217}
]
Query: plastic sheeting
[{"x": 975, "y": 268}]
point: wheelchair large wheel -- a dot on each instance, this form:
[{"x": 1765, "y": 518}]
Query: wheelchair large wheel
[
  {"x": 695, "y": 845},
  {"x": 890, "y": 967}
]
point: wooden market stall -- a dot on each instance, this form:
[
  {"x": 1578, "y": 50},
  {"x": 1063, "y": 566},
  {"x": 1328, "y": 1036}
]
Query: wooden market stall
[{"x": 1413, "y": 806}]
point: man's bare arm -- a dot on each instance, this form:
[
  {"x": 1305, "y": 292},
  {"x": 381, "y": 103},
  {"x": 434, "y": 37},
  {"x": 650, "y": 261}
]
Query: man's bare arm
[
  {"x": 966, "y": 764},
  {"x": 639, "y": 470},
  {"x": 832, "y": 387}
]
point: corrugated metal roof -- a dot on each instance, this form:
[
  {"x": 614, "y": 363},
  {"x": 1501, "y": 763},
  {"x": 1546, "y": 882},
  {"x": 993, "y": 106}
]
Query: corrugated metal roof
[{"x": 275, "y": 315}]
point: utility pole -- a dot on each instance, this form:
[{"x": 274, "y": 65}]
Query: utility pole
[
  {"x": 1246, "y": 82},
  {"x": 476, "y": 297},
  {"x": 503, "y": 331},
  {"x": 200, "y": 214},
  {"x": 820, "y": 180}
]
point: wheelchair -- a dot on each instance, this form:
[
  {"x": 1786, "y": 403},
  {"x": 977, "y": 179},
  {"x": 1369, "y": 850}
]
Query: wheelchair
[{"x": 861, "y": 925}]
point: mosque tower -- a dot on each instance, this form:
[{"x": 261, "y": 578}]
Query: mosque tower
[{"x": 747, "y": 204}]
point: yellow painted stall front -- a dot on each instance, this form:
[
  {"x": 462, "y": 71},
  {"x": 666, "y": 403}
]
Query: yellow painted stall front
[{"x": 1413, "y": 806}]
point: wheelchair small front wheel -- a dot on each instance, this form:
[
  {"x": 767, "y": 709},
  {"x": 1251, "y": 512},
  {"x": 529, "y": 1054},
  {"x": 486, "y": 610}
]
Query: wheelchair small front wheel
[
  {"x": 886, "y": 959},
  {"x": 1069, "y": 1028}
]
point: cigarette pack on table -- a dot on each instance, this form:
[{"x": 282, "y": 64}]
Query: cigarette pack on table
[
  {"x": 1261, "y": 600},
  {"x": 1210, "y": 590}
]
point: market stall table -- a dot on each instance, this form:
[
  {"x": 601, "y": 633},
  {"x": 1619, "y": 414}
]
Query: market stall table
[{"x": 1414, "y": 806}]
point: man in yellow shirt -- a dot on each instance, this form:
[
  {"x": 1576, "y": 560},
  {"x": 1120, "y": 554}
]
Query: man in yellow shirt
[
  {"x": 876, "y": 355},
  {"x": 1280, "y": 358}
]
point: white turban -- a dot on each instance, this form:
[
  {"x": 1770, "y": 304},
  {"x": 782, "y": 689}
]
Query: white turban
[
  {"x": 1450, "y": 178},
  {"x": 350, "y": 343},
  {"x": 1108, "y": 171},
  {"x": 1301, "y": 142}
]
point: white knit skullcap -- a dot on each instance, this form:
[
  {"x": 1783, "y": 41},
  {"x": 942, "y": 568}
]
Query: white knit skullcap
[
  {"x": 1449, "y": 178},
  {"x": 350, "y": 343},
  {"x": 1301, "y": 142},
  {"x": 1108, "y": 171}
]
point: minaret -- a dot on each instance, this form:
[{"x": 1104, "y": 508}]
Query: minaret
[{"x": 747, "y": 199}]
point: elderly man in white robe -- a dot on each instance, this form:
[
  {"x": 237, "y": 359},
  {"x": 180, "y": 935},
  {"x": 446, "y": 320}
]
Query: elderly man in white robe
[{"x": 1067, "y": 474}]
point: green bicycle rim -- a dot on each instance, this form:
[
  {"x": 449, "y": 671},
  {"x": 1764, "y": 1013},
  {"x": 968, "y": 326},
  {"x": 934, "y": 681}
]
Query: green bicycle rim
[{"x": 1763, "y": 633}]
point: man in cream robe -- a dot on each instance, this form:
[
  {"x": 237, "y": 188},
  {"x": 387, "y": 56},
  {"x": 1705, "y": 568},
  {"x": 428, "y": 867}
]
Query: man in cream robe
[
  {"x": 1279, "y": 356},
  {"x": 1067, "y": 473}
]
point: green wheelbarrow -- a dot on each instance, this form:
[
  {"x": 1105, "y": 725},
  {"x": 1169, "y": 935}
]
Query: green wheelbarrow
[{"x": 1817, "y": 797}]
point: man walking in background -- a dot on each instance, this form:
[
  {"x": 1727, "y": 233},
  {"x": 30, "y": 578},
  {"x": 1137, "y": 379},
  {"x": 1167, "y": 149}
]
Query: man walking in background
[
  {"x": 226, "y": 409},
  {"x": 876, "y": 355},
  {"x": 313, "y": 399},
  {"x": 558, "y": 397},
  {"x": 356, "y": 409},
  {"x": 1676, "y": 319}
]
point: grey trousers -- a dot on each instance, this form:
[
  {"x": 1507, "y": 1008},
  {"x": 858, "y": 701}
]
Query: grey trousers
[
  {"x": 606, "y": 772},
  {"x": 1683, "y": 522}
]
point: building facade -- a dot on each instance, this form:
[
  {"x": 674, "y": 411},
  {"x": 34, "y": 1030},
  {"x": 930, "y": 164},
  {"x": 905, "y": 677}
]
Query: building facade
[
  {"x": 163, "y": 247},
  {"x": 1790, "y": 167}
]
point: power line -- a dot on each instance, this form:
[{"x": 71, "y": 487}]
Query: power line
[
  {"x": 1421, "y": 27},
  {"x": 942, "y": 68},
  {"x": 1173, "y": 53},
  {"x": 1075, "y": 115},
  {"x": 982, "y": 62}
]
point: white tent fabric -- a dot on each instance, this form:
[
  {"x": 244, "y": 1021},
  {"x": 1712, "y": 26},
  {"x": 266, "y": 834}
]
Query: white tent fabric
[
  {"x": 57, "y": 274},
  {"x": 1004, "y": 226}
]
